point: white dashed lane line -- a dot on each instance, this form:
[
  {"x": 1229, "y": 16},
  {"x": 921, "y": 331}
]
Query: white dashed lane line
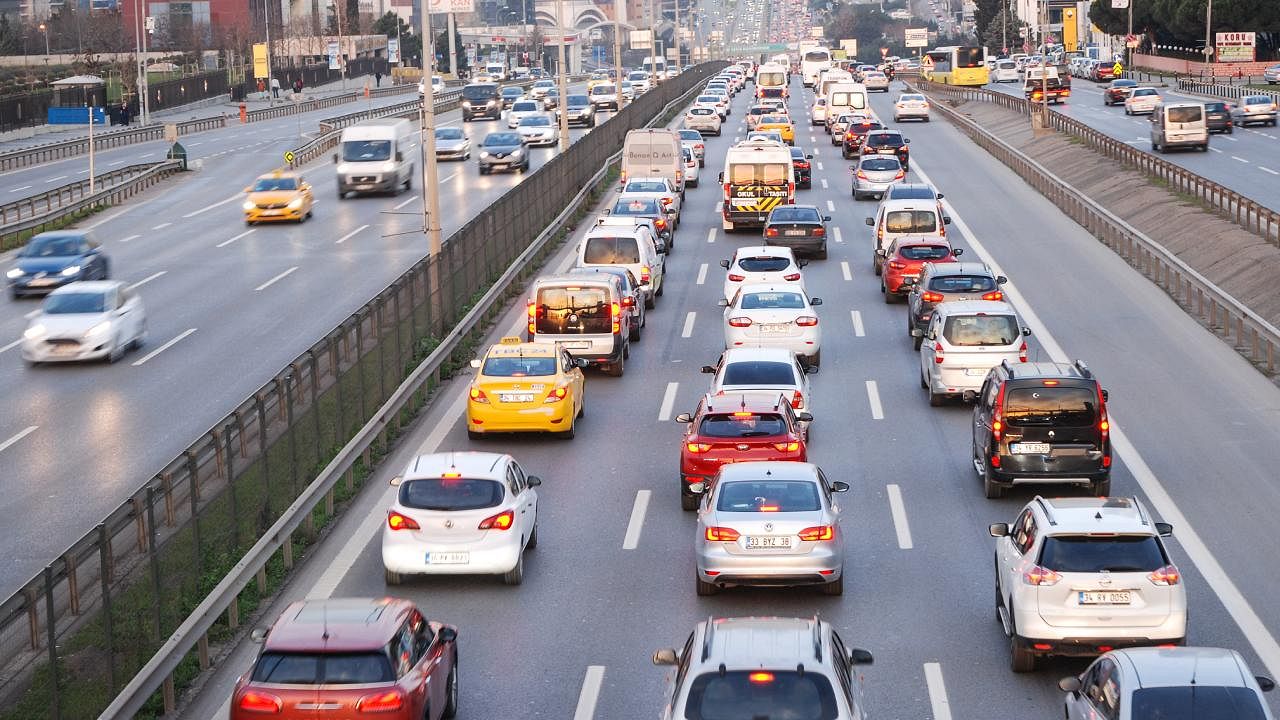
[
  {"x": 668, "y": 402},
  {"x": 844, "y": 270},
  {"x": 839, "y": 237},
  {"x": 711, "y": 235},
  {"x": 873, "y": 397},
  {"x": 11, "y": 441},
  {"x": 858, "y": 329},
  {"x": 687, "y": 331},
  {"x": 898, "y": 509},
  {"x": 937, "y": 691},
  {"x": 632, "y": 538},
  {"x": 702, "y": 273}
]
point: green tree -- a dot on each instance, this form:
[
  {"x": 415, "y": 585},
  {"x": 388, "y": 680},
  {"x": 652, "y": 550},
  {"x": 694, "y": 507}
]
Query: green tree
[
  {"x": 392, "y": 25},
  {"x": 442, "y": 51},
  {"x": 10, "y": 37},
  {"x": 1002, "y": 29}
]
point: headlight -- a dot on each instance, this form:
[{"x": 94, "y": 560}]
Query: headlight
[
  {"x": 388, "y": 166},
  {"x": 72, "y": 270},
  {"x": 249, "y": 205},
  {"x": 295, "y": 203},
  {"x": 99, "y": 329},
  {"x": 490, "y": 102},
  {"x": 484, "y": 153},
  {"x": 516, "y": 152},
  {"x": 15, "y": 273},
  {"x": 466, "y": 103},
  {"x": 34, "y": 332}
]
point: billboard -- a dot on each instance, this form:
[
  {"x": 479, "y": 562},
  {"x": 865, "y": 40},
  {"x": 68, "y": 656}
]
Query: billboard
[
  {"x": 452, "y": 6},
  {"x": 1236, "y": 46},
  {"x": 260, "y": 69},
  {"x": 393, "y": 50},
  {"x": 332, "y": 52},
  {"x": 850, "y": 48},
  {"x": 917, "y": 37},
  {"x": 641, "y": 39}
]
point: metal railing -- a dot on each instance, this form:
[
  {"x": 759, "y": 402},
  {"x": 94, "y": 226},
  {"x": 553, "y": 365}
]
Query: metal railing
[
  {"x": 50, "y": 200},
  {"x": 1228, "y": 318},
  {"x": 1214, "y": 89},
  {"x": 49, "y": 152},
  {"x": 1248, "y": 214},
  {"x": 119, "y": 600}
]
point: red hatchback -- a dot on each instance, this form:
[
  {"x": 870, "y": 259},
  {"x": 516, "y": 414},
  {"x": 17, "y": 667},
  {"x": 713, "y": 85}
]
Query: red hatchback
[
  {"x": 904, "y": 259},
  {"x": 734, "y": 428},
  {"x": 854, "y": 136},
  {"x": 352, "y": 658}
]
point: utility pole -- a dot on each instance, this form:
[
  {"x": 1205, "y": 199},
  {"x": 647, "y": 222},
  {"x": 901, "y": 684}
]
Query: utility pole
[
  {"x": 90, "y": 105},
  {"x": 563, "y": 100},
  {"x": 675, "y": 30},
  {"x": 1208, "y": 34},
  {"x": 1128, "y": 51},
  {"x": 266, "y": 23},
  {"x": 453, "y": 46},
  {"x": 339, "y": 5},
  {"x": 1004, "y": 26},
  {"x": 431, "y": 180},
  {"x": 617, "y": 51}
]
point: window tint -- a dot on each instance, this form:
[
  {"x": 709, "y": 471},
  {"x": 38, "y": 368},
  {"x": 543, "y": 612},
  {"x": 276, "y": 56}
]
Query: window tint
[
  {"x": 759, "y": 372},
  {"x": 1258, "y": 100},
  {"x": 924, "y": 252},
  {"x": 771, "y": 78},
  {"x": 750, "y": 496},
  {"x": 884, "y": 139},
  {"x": 880, "y": 163},
  {"x": 1063, "y": 406},
  {"x": 972, "y": 330},
  {"x": 322, "y": 668},
  {"x": 962, "y": 283},
  {"x": 1185, "y": 114},
  {"x": 448, "y": 134},
  {"x": 637, "y": 206},
  {"x": 761, "y": 694},
  {"x": 366, "y": 150},
  {"x": 911, "y": 221},
  {"x": 450, "y": 493},
  {"x": 572, "y": 311},
  {"x": 71, "y": 303},
  {"x": 1197, "y": 703},
  {"x": 479, "y": 92},
  {"x": 817, "y": 56},
  {"x": 269, "y": 184},
  {"x": 766, "y": 263},
  {"x": 54, "y": 246},
  {"x": 742, "y": 426},
  {"x": 760, "y": 173},
  {"x": 525, "y": 106},
  {"x": 1091, "y": 554},
  {"x": 509, "y": 366},
  {"x": 612, "y": 251},
  {"x": 773, "y": 301},
  {"x": 645, "y": 186},
  {"x": 795, "y": 214}
]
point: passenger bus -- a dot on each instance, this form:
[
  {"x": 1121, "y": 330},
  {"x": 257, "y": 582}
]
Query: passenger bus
[
  {"x": 963, "y": 65},
  {"x": 813, "y": 61}
]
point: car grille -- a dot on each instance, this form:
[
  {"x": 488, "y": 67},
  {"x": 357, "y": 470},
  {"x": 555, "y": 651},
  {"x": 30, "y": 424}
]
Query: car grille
[
  {"x": 499, "y": 155},
  {"x": 66, "y": 342},
  {"x": 271, "y": 206},
  {"x": 362, "y": 179}
]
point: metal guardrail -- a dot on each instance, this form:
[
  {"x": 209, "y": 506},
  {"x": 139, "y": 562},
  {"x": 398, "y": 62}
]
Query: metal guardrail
[
  {"x": 1248, "y": 214},
  {"x": 1232, "y": 92},
  {"x": 49, "y": 152},
  {"x": 1231, "y": 320},
  {"x": 49, "y": 200}
]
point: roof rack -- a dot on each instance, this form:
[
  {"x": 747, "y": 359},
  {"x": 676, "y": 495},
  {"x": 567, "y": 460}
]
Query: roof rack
[
  {"x": 1142, "y": 511},
  {"x": 817, "y": 638},
  {"x": 1084, "y": 369},
  {"x": 1008, "y": 368},
  {"x": 706, "y": 639},
  {"x": 1045, "y": 507}
]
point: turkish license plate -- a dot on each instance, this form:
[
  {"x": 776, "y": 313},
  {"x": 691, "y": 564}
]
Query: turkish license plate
[
  {"x": 578, "y": 344},
  {"x": 775, "y": 329},
  {"x": 886, "y": 151},
  {"x": 765, "y": 541},
  {"x": 448, "y": 558},
  {"x": 41, "y": 282},
  {"x": 1104, "y": 597},
  {"x": 977, "y": 372},
  {"x": 515, "y": 397},
  {"x": 271, "y": 212},
  {"x": 1030, "y": 448},
  {"x": 364, "y": 187},
  {"x": 795, "y": 233},
  {"x": 740, "y": 202},
  {"x": 64, "y": 349}
]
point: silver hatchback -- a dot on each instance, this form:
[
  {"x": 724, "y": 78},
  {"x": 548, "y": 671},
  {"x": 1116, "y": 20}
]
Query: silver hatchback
[
  {"x": 873, "y": 174},
  {"x": 769, "y": 524}
]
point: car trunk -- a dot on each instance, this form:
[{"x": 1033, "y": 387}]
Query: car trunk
[
  {"x": 1052, "y": 429},
  {"x": 772, "y": 324},
  {"x": 767, "y": 533},
  {"x": 1091, "y": 594}
]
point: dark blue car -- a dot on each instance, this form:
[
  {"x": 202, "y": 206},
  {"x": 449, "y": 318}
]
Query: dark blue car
[{"x": 53, "y": 259}]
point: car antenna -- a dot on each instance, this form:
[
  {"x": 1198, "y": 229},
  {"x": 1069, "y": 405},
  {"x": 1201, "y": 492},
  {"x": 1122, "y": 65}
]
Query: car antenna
[{"x": 324, "y": 619}]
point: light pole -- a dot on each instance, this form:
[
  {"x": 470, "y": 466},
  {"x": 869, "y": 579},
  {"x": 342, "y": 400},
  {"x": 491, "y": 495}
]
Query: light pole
[
  {"x": 563, "y": 80},
  {"x": 1128, "y": 51},
  {"x": 617, "y": 52},
  {"x": 431, "y": 182},
  {"x": 45, "y": 29},
  {"x": 1208, "y": 35}
]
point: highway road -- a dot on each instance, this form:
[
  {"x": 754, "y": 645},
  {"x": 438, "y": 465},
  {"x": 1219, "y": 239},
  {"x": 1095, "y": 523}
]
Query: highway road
[
  {"x": 1246, "y": 161},
  {"x": 1194, "y": 426},
  {"x": 237, "y": 303}
]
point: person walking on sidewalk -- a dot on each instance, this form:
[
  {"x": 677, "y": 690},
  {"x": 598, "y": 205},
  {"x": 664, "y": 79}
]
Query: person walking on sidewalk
[
  {"x": 124, "y": 112},
  {"x": 377, "y": 79},
  {"x": 275, "y": 88},
  {"x": 297, "y": 86}
]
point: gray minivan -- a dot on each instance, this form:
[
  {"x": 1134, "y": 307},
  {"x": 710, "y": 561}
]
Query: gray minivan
[
  {"x": 586, "y": 315},
  {"x": 1181, "y": 124}
]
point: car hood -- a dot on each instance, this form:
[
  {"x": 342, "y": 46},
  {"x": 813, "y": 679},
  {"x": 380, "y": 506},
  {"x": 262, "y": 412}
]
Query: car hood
[
  {"x": 500, "y": 148},
  {"x": 52, "y": 264},
  {"x": 451, "y": 144},
  {"x": 70, "y": 325}
]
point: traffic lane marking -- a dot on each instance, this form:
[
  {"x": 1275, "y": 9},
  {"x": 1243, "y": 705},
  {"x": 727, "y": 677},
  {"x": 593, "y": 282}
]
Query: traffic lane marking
[
  {"x": 844, "y": 270},
  {"x": 143, "y": 360},
  {"x": 702, "y": 274},
  {"x": 636, "y": 524},
  {"x": 688, "y": 324},
  {"x": 873, "y": 397},
  {"x": 937, "y": 691},
  {"x": 590, "y": 694},
  {"x": 858, "y": 329},
  {"x": 352, "y": 234},
  {"x": 147, "y": 279},
  {"x": 225, "y": 243},
  {"x": 207, "y": 208},
  {"x": 18, "y": 436},
  {"x": 668, "y": 402},
  {"x": 275, "y": 279},
  {"x": 898, "y": 509}
]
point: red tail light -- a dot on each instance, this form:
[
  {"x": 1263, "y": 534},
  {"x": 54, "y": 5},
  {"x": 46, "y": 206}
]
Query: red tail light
[
  {"x": 1167, "y": 575},
  {"x": 997, "y": 295},
  {"x": 1040, "y": 576},
  {"x": 722, "y": 534},
  {"x": 797, "y": 400},
  {"x": 660, "y": 223},
  {"x": 555, "y": 395},
  {"x": 697, "y": 447},
  {"x": 380, "y": 703},
  {"x": 819, "y": 232},
  {"x": 818, "y": 532},
  {"x": 771, "y": 232},
  {"x": 997, "y": 421},
  {"x": 1022, "y": 352},
  {"x": 260, "y": 702},
  {"x": 895, "y": 265},
  {"x": 789, "y": 446},
  {"x": 862, "y": 175},
  {"x": 477, "y": 395},
  {"x": 1104, "y": 425},
  {"x": 645, "y": 274},
  {"x": 396, "y": 521},
  {"x": 533, "y": 316},
  {"x": 938, "y": 353},
  {"x": 806, "y": 321},
  {"x": 739, "y": 322},
  {"x": 901, "y": 174},
  {"x": 735, "y": 277},
  {"x": 501, "y": 521},
  {"x": 760, "y": 678},
  {"x": 615, "y": 314},
  {"x": 726, "y": 190},
  {"x": 666, "y": 202},
  {"x": 792, "y": 277},
  {"x": 931, "y": 296},
  {"x": 629, "y": 301}
]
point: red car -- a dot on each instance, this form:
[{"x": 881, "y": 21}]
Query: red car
[
  {"x": 857, "y": 132},
  {"x": 733, "y": 428},
  {"x": 352, "y": 657},
  {"x": 904, "y": 259}
]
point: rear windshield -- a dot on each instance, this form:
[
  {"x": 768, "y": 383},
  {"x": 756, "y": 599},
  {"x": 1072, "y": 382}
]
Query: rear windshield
[
  {"x": 863, "y": 128},
  {"x": 516, "y": 366},
  {"x": 611, "y": 251},
  {"x": 795, "y": 214},
  {"x": 701, "y": 111},
  {"x": 771, "y": 78},
  {"x": 691, "y": 135},
  {"x": 760, "y": 173},
  {"x": 924, "y": 252},
  {"x": 1185, "y": 114},
  {"x": 1258, "y": 100},
  {"x": 1064, "y": 406},
  {"x": 741, "y": 695},
  {"x": 773, "y": 301},
  {"x": 525, "y": 106},
  {"x": 646, "y": 186},
  {"x": 637, "y": 206},
  {"x": 577, "y": 101},
  {"x": 880, "y": 163},
  {"x": 512, "y": 92},
  {"x": 884, "y": 139},
  {"x": 572, "y": 311},
  {"x": 911, "y": 221},
  {"x": 450, "y": 493},
  {"x": 742, "y": 426},
  {"x": 1094, "y": 554},
  {"x": 785, "y": 496},
  {"x": 962, "y": 283},
  {"x": 764, "y": 263},
  {"x": 1197, "y": 702},
  {"x": 322, "y": 668},
  {"x": 968, "y": 330},
  {"x": 759, "y": 372},
  {"x": 849, "y": 99}
]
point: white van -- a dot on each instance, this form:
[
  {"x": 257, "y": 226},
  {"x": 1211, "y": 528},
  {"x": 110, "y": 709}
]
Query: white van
[
  {"x": 845, "y": 97},
  {"x": 497, "y": 71},
  {"x": 963, "y": 341},
  {"x": 375, "y": 156},
  {"x": 1005, "y": 71},
  {"x": 653, "y": 152},
  {"x": 1181, "y": 124},
  {"x": 829, "y": 78},
  {"x": 632, "y": 245},
  {"x": 902, "y": 218},
  {"x": 585, "y": 315}
]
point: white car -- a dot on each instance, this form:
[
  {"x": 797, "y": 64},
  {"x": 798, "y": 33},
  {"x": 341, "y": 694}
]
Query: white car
[
  {"x": 703, "y": 118},
  {"x": 437, "y": 86},
  {"x": 876, "y": 80},
  {"x": 639, "y": 80},
  {"x": 963, "y": 341},
  {"x": 818, "y": 113},
  {"x": 911, "y": 105},
  {"x": 767, "y": 371},
  {"x": 1005, "y": 71},
  {"x": 722, "y": 102},
  {"x": 690, "y": 166},
  {"x": 540, "y": 89},
  {"x": 521, "y": 109},
  {"x": 1141, "y": 100},
  {"x": 769, "y": 315},
  {"x": 461, "y": 513},
  {"x": 762, "y": 264},
  {"x": 658, "y": 188},
  {"x": 539, "y": 130},
  {"x": 86, "y": 320}
]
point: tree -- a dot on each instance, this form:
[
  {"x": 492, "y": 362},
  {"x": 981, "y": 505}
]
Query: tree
[
  {"x": 442, "y": 51},
  {"x": 392, "y": 25},
  {"x": 1001, "y": 29}
]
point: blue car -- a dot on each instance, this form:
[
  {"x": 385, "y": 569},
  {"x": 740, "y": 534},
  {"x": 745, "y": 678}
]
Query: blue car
[{"x": 53, "y": 259}]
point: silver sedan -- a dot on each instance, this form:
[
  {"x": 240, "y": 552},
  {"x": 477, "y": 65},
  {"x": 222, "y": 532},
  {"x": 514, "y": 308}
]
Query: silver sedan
[
  {"x": 452, "y": 143},
  {"x": 769, "y": 524},
  {"x": 873, "y": 175}
]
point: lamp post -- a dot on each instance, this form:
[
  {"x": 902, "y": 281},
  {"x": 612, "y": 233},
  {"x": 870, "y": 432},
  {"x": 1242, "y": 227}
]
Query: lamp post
[
  {"x": 563, "y": 80},
  {"x": 45, "y": 29},
  {"x": 617, "y": 52},
  {"x": 431, "y": 183},
  {"x": 1208, "y": 34}
]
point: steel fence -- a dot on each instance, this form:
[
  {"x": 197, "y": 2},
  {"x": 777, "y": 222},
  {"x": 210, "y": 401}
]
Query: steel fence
[
  {"x": 166, "y": 573},
  {"x": 49, "y": 152},
  {"x": 1215, "y": 89}
]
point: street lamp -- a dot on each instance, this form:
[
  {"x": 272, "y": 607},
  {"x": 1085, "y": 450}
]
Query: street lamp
[{"x": 45, "y": 29}]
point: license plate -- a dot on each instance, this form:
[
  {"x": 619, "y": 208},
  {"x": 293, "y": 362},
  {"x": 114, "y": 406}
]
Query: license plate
[
  {"x": 765, "y": 541},
  {"x": 886, "y": 152},
  {"x": 41, "y": 282},
  {"x": 744, "y": 201},
  {"x": 978, "y": 372},
  {"x": 1030, "y": 448},
  {"x": 271, "y": 212},
  {"x": 364, "y": 187},
  {"x": 515, "y": 397},
  {"x": 778, "y": 329},
  {"x": 65, "y": 349},
  {"x": 795, "y": 233},
  {"x": 1104, "y": 597},
  {"x": 577, "y": 344},
  {"x": 448, "y": 558}
]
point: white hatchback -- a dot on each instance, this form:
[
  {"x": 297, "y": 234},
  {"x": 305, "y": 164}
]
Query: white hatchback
[
  {"x": 461, "y": 513},
  {"x": 773, "y": 315},
  {"x": 765, "y": 371},
  {"x": 762, "y": 264},
  {"x": 963, "y": 341},
  {"x": 85, "y": 320},
  {"x": 1141, "y": 100}
]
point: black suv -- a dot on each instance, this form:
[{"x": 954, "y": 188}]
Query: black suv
[
  {"x": 481, "y": 100},
  {"x": 888, "y": 142},
  {"x": 1217, "y": 117},
  {"x": 940, "y": 282},
  {"x": 1042, "y": 423}
]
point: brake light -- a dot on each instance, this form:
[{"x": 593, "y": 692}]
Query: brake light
[
  {"x": 735, "y": 277},
  {"x": 382, "y": 702},
  {"x": 879, "y": 235},
  {"x": 901, "y": 174},
  {"x": 792, "y": 277},
  {"x": 396, "y": 521},
  {"x": 1167, "y": 575},
  {"x": 1040, "y": 576},
  {"x": 260, "y": 702},
  {"x": 1022, "y": 352},
  {"x": 760, "y": 678},
  {"x": 797, "y": 400},
  {"x": 696, "y": 447},
  {"x": 997, "y": 295},
  {"x": 931, "y": 296},
  {"x": 997, "y": 420},
  {"x": 1104, "y": 425},
  {"x": 768, "y": 508},
  {"x": 477, "y": 395},
  {"x": 660, "y": 223},
  {"x": 895, "y": 265},
  {"x": 533, "y": 316},
  {"x": 938, "y": 353},
  {"x": 722, "y": 534},
  {"x": 679, "y": 175},
  {"x": 645, "y": 275},
  {"x": 739, "y": 322},
  {"x": 771, "y": 232},
  {"x": 862, "y": 175},
  {"x": 819, "y": 232},
  {"x": 806, "y": 321},
  {"x": 556, "y": 395},
  {"x": 623, "y": 177},
  {"x": 615, "y": 313},
  {"x": 501, "y": 521},
  {"x": 818, "y": 532},
  {"x": 789, "y": 446},
  {"x": 629, "y": 301}
]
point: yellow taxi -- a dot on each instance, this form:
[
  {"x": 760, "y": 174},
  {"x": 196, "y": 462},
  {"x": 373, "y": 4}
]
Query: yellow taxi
[
  {"x": 523, "y": 387},
  {"x": 781, "y": 124},
  {"x": 278, "y": 196},
  {"x": 599, "y": 77}
]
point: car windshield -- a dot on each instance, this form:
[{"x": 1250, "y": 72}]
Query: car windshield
[
  {"x": 884, "y": 139},
  {"x": 962, "y": 283},
  {"x": 778, "y": 496},
  {"x": 880, "y": 164},
  {"x": 645, "y": 186},
  {"x": 535, "y": 121},
  {"x": 518, "y": 366},
  {"x": 636, "y": 206},
  {"x": 72, "y": 303},
  {"x": 776, "y": 694},
  {"x": 502, "y": 139},
  {"x": 611, "y": 251},
  {"x": 911, "y": 221},
  {"x": 366, "y": 150},
  {"x": 638, "y": 76},
  {"x": 1102, "y": 553},
  {"x": 449, "y": 134},
  {"x": 602, "y": 90},
  {"x": 795, "y": 214},
  {"x": 1197, "y": 702},
  {"x": 975, "y": 330},
  {"x": 924, "y": 252},
  {"x": 759, "y": 372},
  {"x": 1143, "y": 92},
  {"x": 450, "y": 493},
  {"x": 578, "y": 101},
  {"x": 742, "y": 425},
  {"x": 269, "y": 184},
  {"x": 478, "y": 92},
  {"x": 911, "y": 192},
  {"x": 1185, "y": 114},
  {"x": 772, "y": 301},
  {"x": 53, "y": 246},
  {"x": 319, "y": 668},
  {"x": 1061, "y": 406},
  {"x": 691, "y": 135},
  {"x": 573, "y": 310},
  {"x": 775, "y": 120},
  {"x": 509, "y": 92},
  {"x": 1257, "y": 100},
  {"x": 524, "y": 106},
  {"x": 764, "y": 263}
]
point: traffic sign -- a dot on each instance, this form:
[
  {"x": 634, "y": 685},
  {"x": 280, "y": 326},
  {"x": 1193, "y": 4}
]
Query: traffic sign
[{"x": 289, "y": 156}]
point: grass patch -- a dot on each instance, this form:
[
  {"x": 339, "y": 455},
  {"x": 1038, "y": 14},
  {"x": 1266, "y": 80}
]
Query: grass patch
[{"x": 18, "y": 239}]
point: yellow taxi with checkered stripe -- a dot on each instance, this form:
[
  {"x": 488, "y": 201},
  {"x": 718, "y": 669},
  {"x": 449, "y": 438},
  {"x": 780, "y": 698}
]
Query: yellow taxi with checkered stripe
[
  {"x": 525, "y": 387},
  {"x": 779, "y": 123},
  {"x": 277, "y": 196}
]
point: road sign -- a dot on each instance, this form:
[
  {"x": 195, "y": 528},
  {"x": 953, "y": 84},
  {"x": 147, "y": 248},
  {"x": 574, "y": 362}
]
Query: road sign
[
  {"x": 260, "y": 69},
  {"x": 1119, "y": 4},
  {"x": 170, "y": 132},
  {"x": 1132, "y": 41},
  {"x": 288, "y": 157},
  {"x": 641, "y": 39},
  {"x": 452, "y": 6},
  {"x": 1236, "y": 46},
  {"x": 884, "y": 52},
  {"x": 393, "y": 50},
  {"x": 917, "y": 37}
]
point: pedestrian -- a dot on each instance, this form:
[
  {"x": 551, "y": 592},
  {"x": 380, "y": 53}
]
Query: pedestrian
[
  {"x": 124, "y": 112},
  {"x": 275, "y": 87},
  {"x": 377, "y": 78},
  {"x": 297, "y": 86}
]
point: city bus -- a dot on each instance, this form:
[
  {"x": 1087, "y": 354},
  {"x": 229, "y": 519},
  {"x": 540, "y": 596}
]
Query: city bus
[
  {"x": 813, "y": 61},
  {"x": 963, "y": 65}
]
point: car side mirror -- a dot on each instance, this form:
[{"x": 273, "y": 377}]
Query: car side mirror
[
  {"x": 999, "y": 530},
  {"x": 917, "y": 332},
  {"x": 720, "y": 178},
  {"x": 661, "y": 246},
  {"x": 826, "y": 218},
  {"x": 906, "y": 141},
  {"x": 1000, "y": 279},
  {"x": 249, "y": 188},
  {"x": 804, "y": 417},
  {"x": 710, "y": 369},
  {"x": 724, "y": 264},
  {"x": 447, "y": 634},
  {"x": 1106, "y": 395},
  {"x": 871, "y": 222},
  {"x": 881, "y": 252},
  {"x": 335, "y": 158},
  {"x": 802, "y": 262},
  {"x": 858, "y": 656},
  {"x": 809, "y": 156},
  {"x": 1069, "y": 684},
  {"x": 399, "y": 156},
  {"x": 946, "y": 219},
  {"x": 395, "y": 481},
  {"x": 582, "y": 363},
  {"x": 957, "y": 252},
  {"x": 1026, "y": 331},
  {"x": 811, "y": 369},
  {"x": 839, "y": 486},
  {"x": 722, "y": 302},
  {"x": 815, "y": 302},
  {"x": 533, "y": 481},
  {"x": 666, "y": 656},
  {"x": 1164, "y": 529},
  {"x": 259, "y": 635},
  {"x": 939, "y": 196},
  {"x": 475, "y": 363},
  {"x": 684, "y": 418},
  {"x": 1265, "y": 684}
]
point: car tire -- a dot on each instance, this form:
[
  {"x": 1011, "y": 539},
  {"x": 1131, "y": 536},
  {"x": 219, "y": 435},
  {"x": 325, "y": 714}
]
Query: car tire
[
  {"x": 884, "y": 293},
  {"x": 1100, "y": 488},
  {"x": 649, "y": 303},
  {"x": 616, "y": 369},
  {"x": 391, "y": 578},
  {"x": 475, "y": 436},
  {"x": 533, "y": 536},
  {"x": 936, "y": 399},
  {"x": 703, "y": 589},
  {"x": 1231, "y": 131},
  {"x": 835, "y": 588},
  {"x": 916, "y": 342},
  {"x": 688, "y": 501},
  {"x": 634, "y": 335},
  {"x": 990, "y": 488},
  {"x": 1021, "y": 660},
  {"x": 515, "y": 575},
  {"x": 814, "y": 360},
  {"x": 875, "y": 265},
  {"x": 568, "y": 434},
  {"x": 856, "y": 195},
  {"x": 484, "y": 170},
  {"x": 451, "y": 691}
]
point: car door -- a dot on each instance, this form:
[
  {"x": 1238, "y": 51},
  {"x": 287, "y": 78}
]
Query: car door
[
  {"x": 1077, "y": 704},
  {"x": 131, "y": 317},
  {"x": 1009, "y": 552},
  {"x": 928, "y": 354},
  {"x": 522, "y": 503},
  {"x": 412, "y": 674},
  {"x": 576, "y": 380},
  {"x": 982, "y": 418},
  {"x": 436, "y": 664}
]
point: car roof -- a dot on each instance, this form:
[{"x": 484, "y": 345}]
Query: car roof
[
  {"x": 918, "y": 240},
  {"x": 762, "y": 250},
  {"x": 1039, "y": 370},
  {"x": 757, "y": 642},
  {"x": 959, "y": 268},
  {"x": 336, "y": 624},
  {"x": 975, "y": 307},
  {"x": 756, "y": 354},
  {"x": 87, "y": 286},
  {"x": 617, "y": 271},
  {"x": 1074, "y": 515},
  {"x": 912, "y": 203},
  {"x": 1182, "y": 666},
  {"x": 468, "y": 463}
]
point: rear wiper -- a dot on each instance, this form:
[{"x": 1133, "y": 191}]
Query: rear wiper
[
  {"x": 754, "y": 433},
  {"x": 1122, "y": 568}
]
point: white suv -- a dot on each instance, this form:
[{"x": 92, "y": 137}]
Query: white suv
[{"x": 1082, "y": 576}]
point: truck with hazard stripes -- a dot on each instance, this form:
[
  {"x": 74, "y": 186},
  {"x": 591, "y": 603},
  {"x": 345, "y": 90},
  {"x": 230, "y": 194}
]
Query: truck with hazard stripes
[{"x": 757, "y": 178}]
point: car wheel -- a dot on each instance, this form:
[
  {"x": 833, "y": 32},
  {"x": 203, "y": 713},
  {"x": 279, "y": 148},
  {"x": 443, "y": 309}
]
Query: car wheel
[
  {"x": 484, "y": 170},
  {"x": 533, "y": 536},
  {"x": 688, "y": 501},
  {"x": 634, "y": 335},
  {"x": 568, "y": 434},
  {"x": 814, "y": 360},
  {"x": 451, "y": 696},
  {"x": 884, "y": 293},
  {"x": 106, "y": 271},
  {"x": 936, "y": 399},
  {"x": 1231, "y": 131},
  {"x": 515, "y": 575},
  {"x": 1021, "y": 659},
  {"x": 617, "y": 368},
  {"x": 703, "y": 588},
  {"x": 473, "y": 435},
  {"x": 649, "y": 302},
  {"x": 835, "y": 588},
  {"x": 390, "y": 578},
  {"x": 916, "y": 342},
  {"x": 990, "y": 488},
  {"x": 1100, "y": 488},
  {"x": 857, "y": 195}
]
